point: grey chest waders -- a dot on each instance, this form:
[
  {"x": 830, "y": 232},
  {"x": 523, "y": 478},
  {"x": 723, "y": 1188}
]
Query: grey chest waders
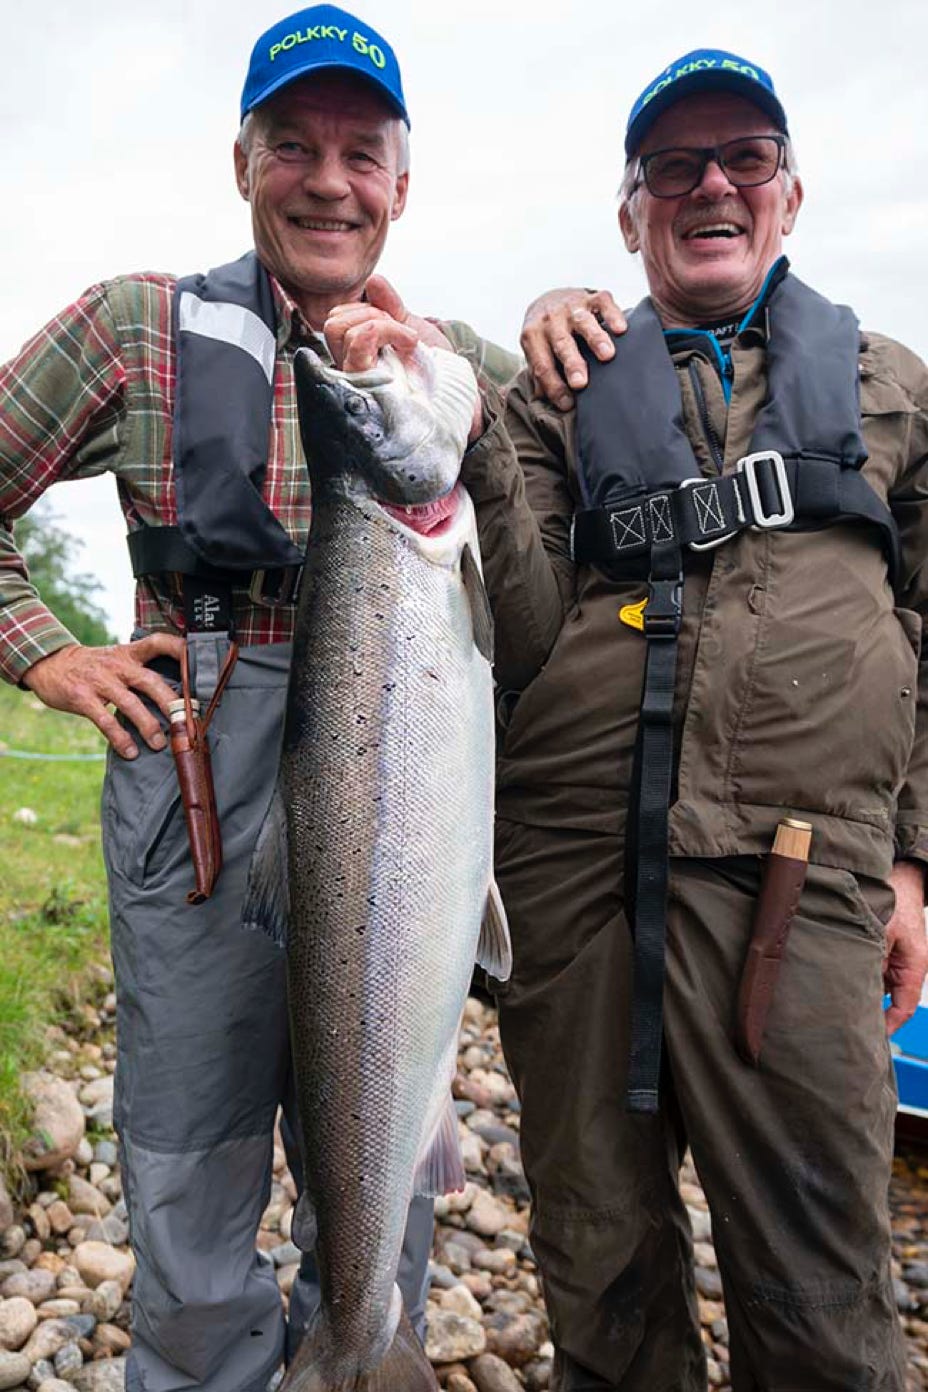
[{"x": 646, "y": 504}]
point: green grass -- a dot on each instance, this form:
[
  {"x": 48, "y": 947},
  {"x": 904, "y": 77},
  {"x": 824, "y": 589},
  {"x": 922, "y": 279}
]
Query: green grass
[{"x": 52, "y": 891}]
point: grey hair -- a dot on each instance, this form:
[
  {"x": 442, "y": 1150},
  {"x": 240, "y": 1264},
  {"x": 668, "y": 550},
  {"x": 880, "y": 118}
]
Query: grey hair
[
  {"x": 629, "y": 187},
  {"x": 251, "y": 126}
]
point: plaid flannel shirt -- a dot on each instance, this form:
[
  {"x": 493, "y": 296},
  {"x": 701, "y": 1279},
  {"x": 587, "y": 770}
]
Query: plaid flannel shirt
[{"x": 93, "y": 392}]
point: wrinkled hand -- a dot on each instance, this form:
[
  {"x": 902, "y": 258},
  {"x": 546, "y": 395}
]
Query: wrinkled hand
[
  {"x": 356, "y": 333},
  {"x": 550, "y": 330},
  {"x": 906, "y": 945},
  {"x": 87, "y": 681}
]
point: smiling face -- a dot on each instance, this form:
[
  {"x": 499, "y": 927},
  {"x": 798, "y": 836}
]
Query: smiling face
[
  {"x": 706, "y": 253},
  {"x": 322, "y": 172}
]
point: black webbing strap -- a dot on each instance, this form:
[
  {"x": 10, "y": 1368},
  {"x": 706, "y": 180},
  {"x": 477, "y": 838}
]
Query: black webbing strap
[
  {"x": 704, "y": 512},
  {"x": 654, "y": 756}
]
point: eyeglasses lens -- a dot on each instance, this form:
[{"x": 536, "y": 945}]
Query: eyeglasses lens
[{"x": 746, "y": 163}]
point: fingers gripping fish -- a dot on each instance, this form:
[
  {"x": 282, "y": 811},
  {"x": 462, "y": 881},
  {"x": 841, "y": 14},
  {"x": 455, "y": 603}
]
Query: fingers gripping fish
[{"x": 375, "y": 861}]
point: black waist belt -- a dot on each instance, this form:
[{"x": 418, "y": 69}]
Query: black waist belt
[
  {"x": 206, "y": 589},
  {"x": 645, "y": 535}
]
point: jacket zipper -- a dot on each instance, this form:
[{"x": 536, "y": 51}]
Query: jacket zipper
[{"x": 715, "y": 445}]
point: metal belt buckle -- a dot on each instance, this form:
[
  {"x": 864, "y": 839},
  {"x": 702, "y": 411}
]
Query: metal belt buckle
[
  {"x": 716, "y": 541},
  {"x": 748, "y": 467},
  {"x": 286, "y": 591}
]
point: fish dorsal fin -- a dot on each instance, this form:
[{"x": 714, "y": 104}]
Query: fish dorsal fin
[
  {"x": 441, "y": 1167},
  {"x": 267, "y": 897},
  {"x": 494, "y": 949},
  {"x": 480, "y": 612}
]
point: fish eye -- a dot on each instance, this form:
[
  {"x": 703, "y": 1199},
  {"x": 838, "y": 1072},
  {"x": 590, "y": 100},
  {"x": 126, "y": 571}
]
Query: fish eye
[{"x": 355, "y": 405}]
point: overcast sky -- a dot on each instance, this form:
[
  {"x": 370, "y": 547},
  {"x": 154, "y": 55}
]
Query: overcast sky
[{"x": 120, "y": 118}]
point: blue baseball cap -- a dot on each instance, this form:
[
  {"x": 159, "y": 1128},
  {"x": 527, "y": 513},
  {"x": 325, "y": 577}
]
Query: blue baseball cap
[
  {"x": 703, "y": 70},
  {"x": 322, "y": 37}
]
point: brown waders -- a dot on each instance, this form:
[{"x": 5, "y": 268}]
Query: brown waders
[{"x": 794, "y": 1155}]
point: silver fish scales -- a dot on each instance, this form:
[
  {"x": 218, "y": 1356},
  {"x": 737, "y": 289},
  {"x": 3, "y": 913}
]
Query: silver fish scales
[{"x": 385, "y": 809}]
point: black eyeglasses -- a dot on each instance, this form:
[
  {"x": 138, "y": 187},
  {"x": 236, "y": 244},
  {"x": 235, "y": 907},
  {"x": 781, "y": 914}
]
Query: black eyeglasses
[{"x": 746, "y": 162}]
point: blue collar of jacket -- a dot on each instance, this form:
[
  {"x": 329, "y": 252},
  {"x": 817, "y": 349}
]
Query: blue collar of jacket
[{"x": 705, "y": 341}]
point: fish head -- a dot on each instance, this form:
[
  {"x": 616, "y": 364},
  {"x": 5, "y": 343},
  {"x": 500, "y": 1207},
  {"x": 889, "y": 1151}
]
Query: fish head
[{"x": 396, "y": 432}]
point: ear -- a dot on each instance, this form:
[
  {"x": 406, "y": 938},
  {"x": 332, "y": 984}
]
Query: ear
[
  {"x": 241, "y": 170},
  {"x": 399, "y": 195},
  {"x": 628, "y": 229},
  {"x": 793, "y": 204}
]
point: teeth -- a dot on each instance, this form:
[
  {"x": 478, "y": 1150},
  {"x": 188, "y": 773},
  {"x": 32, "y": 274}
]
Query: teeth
[
  {"x": 321, "y": 225},
  {"x": 725, "y": 229}
]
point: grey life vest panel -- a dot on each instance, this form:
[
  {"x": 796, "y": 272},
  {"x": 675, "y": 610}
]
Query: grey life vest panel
[
  {"x": 225, "y": 344},
  {"x": 645, "y": 501}
]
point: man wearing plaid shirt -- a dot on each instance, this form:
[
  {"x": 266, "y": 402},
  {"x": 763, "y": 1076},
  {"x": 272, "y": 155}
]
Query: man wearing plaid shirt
[{"x": 204, "y": 1057}]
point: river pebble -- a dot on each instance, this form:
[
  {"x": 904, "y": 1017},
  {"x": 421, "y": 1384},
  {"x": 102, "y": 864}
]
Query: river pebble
[{"x": 66, "y": 1272}]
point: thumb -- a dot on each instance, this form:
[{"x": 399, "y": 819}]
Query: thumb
[{"x": 381, "y": 295}]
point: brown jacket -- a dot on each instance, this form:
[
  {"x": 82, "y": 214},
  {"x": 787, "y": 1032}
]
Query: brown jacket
[{"x": 798, "y": 685}]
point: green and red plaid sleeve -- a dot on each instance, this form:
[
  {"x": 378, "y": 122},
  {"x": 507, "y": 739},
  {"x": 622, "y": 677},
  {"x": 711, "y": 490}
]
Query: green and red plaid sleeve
[{"x": 61, "y": 412}]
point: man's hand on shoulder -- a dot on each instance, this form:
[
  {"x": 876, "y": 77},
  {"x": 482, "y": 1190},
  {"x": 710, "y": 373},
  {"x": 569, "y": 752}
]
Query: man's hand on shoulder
[
  {"x": 550, "y": 330},
  {"x": 906, "y": 945},
  {"x": 357, "y": 332},
  {"x": 87, "y": 681}
]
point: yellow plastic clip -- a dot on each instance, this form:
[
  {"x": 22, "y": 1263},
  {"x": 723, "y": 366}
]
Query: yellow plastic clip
[{"x": 633, "y": 614}]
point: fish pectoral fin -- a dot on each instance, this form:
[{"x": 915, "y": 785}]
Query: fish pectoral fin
[
  {"x": 481, "y": 615},
  {"x": 267, "y": 896},
  {"x": 494, "y": 949},
  {"x": 303, "y": 1228},
  {"x": 441, "y": 1167}
]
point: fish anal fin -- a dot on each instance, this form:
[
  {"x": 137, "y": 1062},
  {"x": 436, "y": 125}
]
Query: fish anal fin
[
  {"x": 303, "y": 1229},
  {"x": 494, "y": 949},
  {"x": 267, "y": 896},
  {"x": 441, "y": 1166}
]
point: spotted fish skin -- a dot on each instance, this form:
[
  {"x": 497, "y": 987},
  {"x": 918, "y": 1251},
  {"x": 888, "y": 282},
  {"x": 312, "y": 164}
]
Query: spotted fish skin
[{"x": 385, "y": 806}]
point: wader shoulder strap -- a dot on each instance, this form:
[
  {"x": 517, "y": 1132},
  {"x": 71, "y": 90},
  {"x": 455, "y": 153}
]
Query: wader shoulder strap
[{"x": 224, "y": 332}]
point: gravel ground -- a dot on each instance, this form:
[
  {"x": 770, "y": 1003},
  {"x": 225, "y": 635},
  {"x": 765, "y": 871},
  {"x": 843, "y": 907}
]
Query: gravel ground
[{"x": 66, "y": 1271}]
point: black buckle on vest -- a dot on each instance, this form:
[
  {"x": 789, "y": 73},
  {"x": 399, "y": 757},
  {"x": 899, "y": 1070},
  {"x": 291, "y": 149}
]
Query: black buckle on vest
[
  {"x": 663, "y": 612},
  {"x": 275, "y": 588}
]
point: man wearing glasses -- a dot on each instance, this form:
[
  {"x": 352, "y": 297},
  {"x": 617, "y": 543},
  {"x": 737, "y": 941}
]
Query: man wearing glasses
[{"x": 726, "y": 636}]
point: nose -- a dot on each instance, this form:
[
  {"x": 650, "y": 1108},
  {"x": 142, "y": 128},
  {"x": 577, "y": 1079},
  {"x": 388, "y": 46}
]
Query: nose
[
  {"x": 326, "y": 178},
  {"x": 715, "y": 183}
]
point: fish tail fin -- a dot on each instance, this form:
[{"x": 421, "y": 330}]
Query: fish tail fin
[
  {"x": 404, "y": 1367},
  {"x": 267, "y": 897}
]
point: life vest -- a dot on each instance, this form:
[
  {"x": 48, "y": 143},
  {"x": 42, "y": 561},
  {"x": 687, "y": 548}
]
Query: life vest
[
  {"x": 646, "y": 501},
  {"x": 224, "y": 329}
]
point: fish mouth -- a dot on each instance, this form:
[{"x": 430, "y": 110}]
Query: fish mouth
[{"x": 432, "y": 519}]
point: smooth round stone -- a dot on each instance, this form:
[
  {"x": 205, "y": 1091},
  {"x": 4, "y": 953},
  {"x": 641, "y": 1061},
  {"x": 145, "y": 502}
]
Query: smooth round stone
[
  {"x": 461, "y": 1301},
  {"x": 37, "y": 1285},
  {"x": 105, "y": 1153},
  {"x": 500, "y": 1260},
  {"x": 451, "y": 1337},
  {"x": 12, "y": 1241},
  {"x": 55, "y": 1384},
  {"x": 109, "y": 1375},
  {"x": 68, "y": 1360},
  {"x": 111, "y": 1338},
  {"x": 96, "y": 1262},
  {"x": 86, "y": 1198},
  {"x": 50, "y": 1336},
  {"x": 516, "y": 1338},
  {"x": 103, "y": 1302},
  {"x": 57, "y": 1121},
  {"x": 286, "y": 1254},
  {"x": 491, "y": 1374},
  {"x": 58, "y": 1308},
  {"x": 14, "y": 1369},
  {"x": 84, "y": 1153},
  {"x": 18, "y": 1319},
  {"x": 112, "y": 1230},
  {"x": 83, "y": 1325},
  {"x": 486, "y": 1216}
]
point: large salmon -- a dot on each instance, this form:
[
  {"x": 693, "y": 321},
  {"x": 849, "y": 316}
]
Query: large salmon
[{"x": 383, "y": 819}]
